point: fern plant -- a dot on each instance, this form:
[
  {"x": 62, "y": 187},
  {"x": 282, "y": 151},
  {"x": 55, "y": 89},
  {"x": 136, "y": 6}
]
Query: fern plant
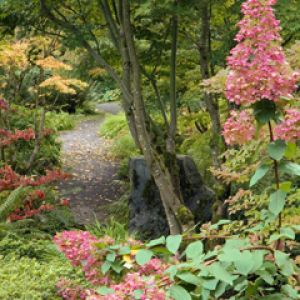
[{"x": 13, "y": 201}]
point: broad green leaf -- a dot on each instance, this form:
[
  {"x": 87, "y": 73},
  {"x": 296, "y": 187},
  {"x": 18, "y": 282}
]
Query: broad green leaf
[
  {"x": 259, "y": 174},
  {"x": 236, "y": 244},
  {"x": 103, "y": 290},
  {"x": 105, "y": 267},
  {"x": 277, "y": 202},
  {"x": 179, "y": 293},
  {"x": 283, "y": 262},
  {"x": 290, "y": 291},
  {"x": 258, "y": 259},
  {"x": 245, "y": 263},
  {"x": 290, "y": 168},
  {"x": 190, "y": 278},
  {"x": 160, "y": 241},
  {"x": 288, "y": 233},
  {"x": 111, "y": 257},
  {"x": 124, "y": 250},
  {"x": 264, "y": 111},
  {"x": 143, "y": 256},
  {"x": 291, "y": 151},
  {"x": 220, "y": 289},
  {"x": 219, "y": 272},
  {"x": 194, "y": 250},
  {"x": 117, "y": 267},
  {"x": 266, "y": 276},
  {"x": 173, "y": 243},
  {"x": 276, "y": 149},
  {"x": 210, "y": 284},
  {"x": 230, "y": 255}
]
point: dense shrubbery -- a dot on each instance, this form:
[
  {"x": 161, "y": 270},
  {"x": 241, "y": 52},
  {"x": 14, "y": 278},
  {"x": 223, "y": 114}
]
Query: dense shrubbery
[{"x": 30, "y": 269}]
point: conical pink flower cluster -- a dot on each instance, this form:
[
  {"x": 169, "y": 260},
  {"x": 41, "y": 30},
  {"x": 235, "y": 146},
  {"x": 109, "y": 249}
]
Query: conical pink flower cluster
[
  {"x": 259, "y": 69},
  {"x": 239, "y": 128}
]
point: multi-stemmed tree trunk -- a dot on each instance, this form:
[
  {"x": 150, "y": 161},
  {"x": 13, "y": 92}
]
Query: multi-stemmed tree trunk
[{"x": 162, "y": 164}]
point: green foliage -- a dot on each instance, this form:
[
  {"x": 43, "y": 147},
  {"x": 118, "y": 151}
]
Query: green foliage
[
  {"x": 112, "y": 228},
  {"x": 124, "y": 147},
  {"x": 13, "y": 201},
  {"x": 113, "y": 126},
  {"x": 30, "y": 267},
  {"x": 60, "y": 121},
  {"x": 28, "y": 278}
]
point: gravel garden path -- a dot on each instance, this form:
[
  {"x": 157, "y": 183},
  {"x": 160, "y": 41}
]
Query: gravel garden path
[{"x": 94, "y": 183}]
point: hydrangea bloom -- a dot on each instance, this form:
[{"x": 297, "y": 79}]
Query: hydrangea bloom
[
  {"x": 239, "y": 128},
  {"x": 289, "y": 129},
  {"x": 258, "y": 67}
]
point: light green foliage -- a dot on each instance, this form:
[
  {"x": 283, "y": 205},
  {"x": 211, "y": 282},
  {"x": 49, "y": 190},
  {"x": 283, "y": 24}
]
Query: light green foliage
[
  {"x": 123, "y": 146},
  {"x": 113, "y": 126},
  {"x": 60, "y": 121},
  {"x": 30, "y": 269},
  {"x": 27, "y": 278}
]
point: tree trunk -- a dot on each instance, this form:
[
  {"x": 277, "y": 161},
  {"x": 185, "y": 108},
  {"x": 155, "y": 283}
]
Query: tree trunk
[
  {"x": 155, "y": 161},
  {"x": 206, "y": 70}
]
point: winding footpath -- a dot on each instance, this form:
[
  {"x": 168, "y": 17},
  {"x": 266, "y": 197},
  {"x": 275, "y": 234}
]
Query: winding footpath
[{"x": 94, "y": 182}]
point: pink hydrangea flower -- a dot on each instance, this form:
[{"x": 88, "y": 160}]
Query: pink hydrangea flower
[
  {"x": 239, "y": 128},
  {"x": 258, "y": 67},
  {"x": 289, "y": 129}
]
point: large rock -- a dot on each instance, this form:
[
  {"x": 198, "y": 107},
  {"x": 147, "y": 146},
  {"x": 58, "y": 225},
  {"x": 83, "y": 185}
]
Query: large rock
[{"x": 146, "y": 212}]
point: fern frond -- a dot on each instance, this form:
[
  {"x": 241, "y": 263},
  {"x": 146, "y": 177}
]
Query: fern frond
[{"x": 13, "y": 201}]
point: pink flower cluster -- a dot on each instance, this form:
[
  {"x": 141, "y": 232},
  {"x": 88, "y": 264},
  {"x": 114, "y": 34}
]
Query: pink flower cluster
[
  {"x": 79, "y": 248},
  {"x": 133, "y": 282},
  {"x": 289, "y": 129},
  {"x": 258, "y": 67},
  {"x": 239, "y": 128},
  {"x": 76, "y": 245}
]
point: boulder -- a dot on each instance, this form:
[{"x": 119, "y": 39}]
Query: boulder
[{"x": 146, "y": 213}]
